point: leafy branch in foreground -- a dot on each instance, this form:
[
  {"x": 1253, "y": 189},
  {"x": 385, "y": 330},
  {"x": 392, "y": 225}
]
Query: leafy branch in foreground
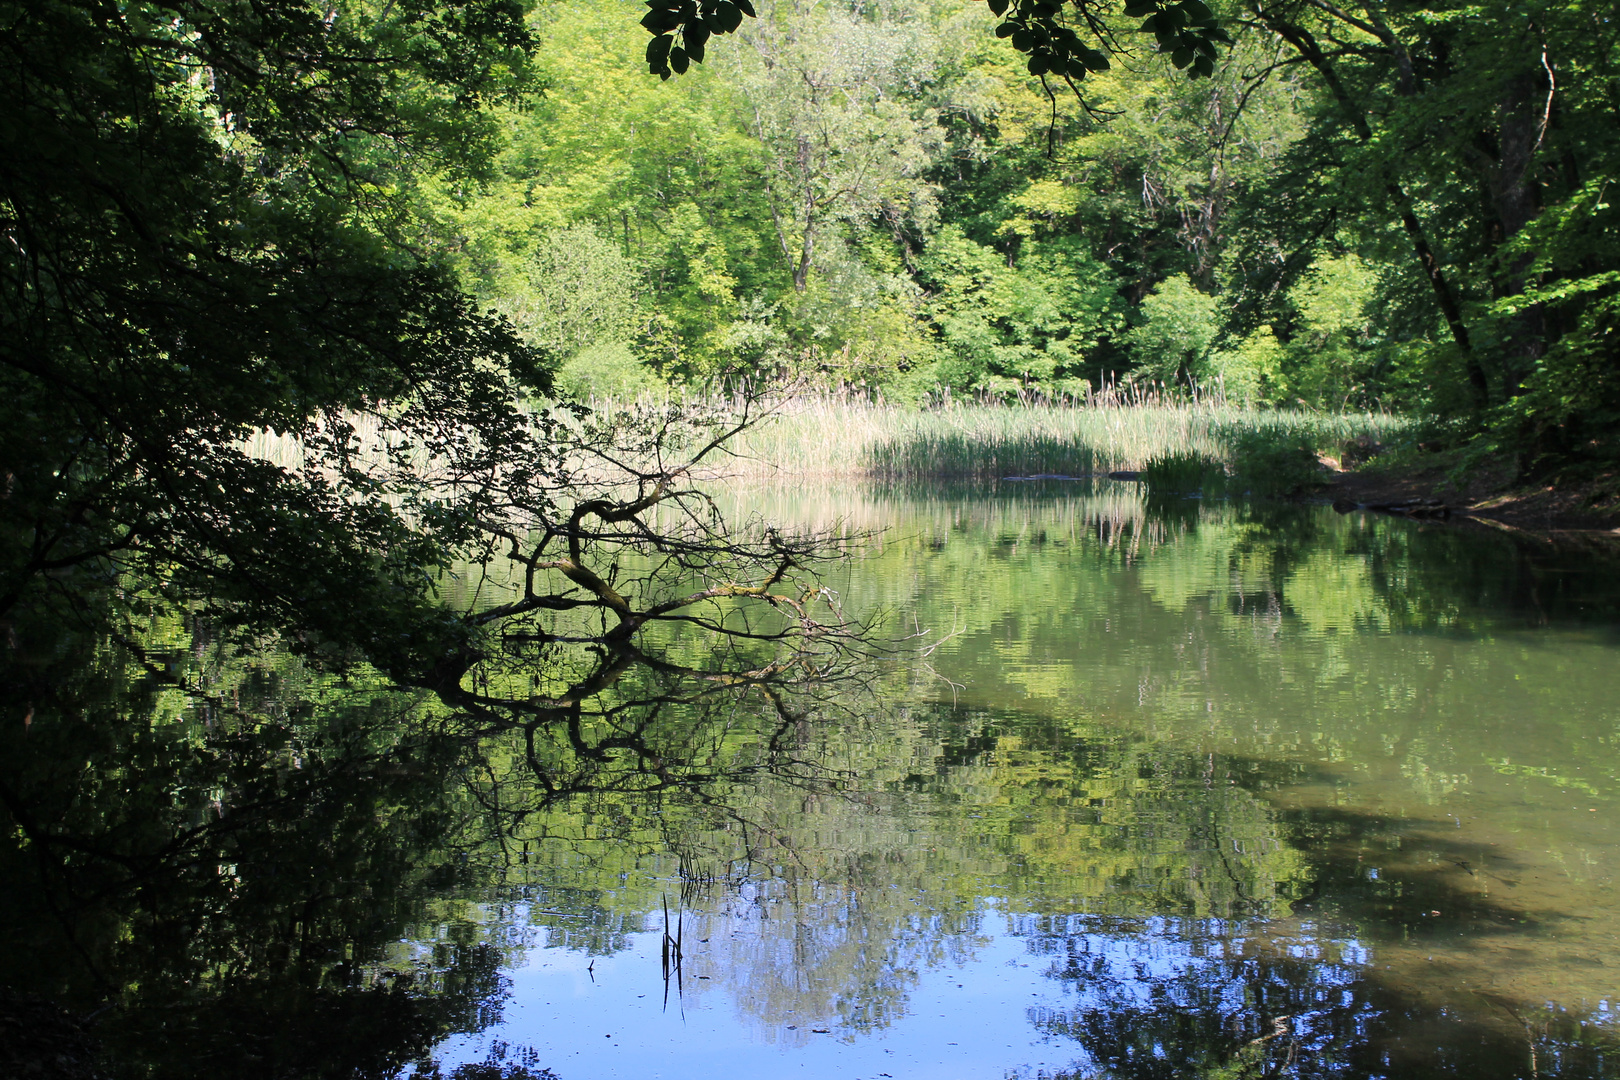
[
  {"x": 207, "y": 234},
  {"x": 1067, "y": 45}
]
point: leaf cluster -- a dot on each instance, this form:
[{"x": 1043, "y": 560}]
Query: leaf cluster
[{"x": 694, "y": 22}]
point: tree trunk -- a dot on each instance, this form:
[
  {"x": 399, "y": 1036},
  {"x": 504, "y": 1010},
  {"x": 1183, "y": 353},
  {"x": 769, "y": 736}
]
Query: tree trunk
[
  {"x": 1515, "y": 197},
  {"x": 1445, "y": 296}
]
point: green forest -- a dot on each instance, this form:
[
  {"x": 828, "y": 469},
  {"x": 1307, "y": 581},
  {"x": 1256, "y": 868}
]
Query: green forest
[
  {"x": 434, "y": 230},
  {"x": 371, "y": 373},
  {"x": 1402, "y": 207}
]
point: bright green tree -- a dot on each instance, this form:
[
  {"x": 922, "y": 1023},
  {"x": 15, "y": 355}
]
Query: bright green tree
[{"x": 1172, "y": 342}]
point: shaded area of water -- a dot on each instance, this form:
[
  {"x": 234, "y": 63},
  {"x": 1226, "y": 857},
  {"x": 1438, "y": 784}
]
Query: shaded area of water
[{"x": 1148, "y": 791}]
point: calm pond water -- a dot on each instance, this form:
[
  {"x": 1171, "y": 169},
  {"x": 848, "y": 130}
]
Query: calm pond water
[{"x": 1144, "y": 790}]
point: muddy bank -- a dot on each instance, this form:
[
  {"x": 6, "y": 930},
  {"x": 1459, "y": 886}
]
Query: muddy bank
[{"x": 1487, "y": 497}]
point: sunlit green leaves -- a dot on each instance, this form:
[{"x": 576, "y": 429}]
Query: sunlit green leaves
[
  {"x": 1178, "y": 325},
  {"x": 1025, "y": 326}
]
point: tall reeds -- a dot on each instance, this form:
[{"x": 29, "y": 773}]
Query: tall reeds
[{"x": 835, "y": 435}]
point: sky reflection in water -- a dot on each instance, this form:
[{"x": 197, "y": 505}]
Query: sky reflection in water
[
  {"x": 969, "y": 1019},
  {"x": 1151, "y": 791},
  {"x": 1205, "y": 791}
]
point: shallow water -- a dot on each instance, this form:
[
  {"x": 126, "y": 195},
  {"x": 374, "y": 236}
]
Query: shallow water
[{"x": 1139, "y": 790}]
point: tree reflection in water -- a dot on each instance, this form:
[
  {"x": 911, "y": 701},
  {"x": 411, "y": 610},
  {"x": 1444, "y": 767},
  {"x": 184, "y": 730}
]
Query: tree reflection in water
[
  {"x": 1188, "y": 997},
  {"x": 1169, "y": 998},
  {"x": 247, "y": 868},
  {"x": 224, "y": 877}
]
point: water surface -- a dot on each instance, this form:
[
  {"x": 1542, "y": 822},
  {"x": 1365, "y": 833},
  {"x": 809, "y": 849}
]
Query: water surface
[
  {"x": 1176, "y": 789},
  {"x": 1136, "y": 790}
]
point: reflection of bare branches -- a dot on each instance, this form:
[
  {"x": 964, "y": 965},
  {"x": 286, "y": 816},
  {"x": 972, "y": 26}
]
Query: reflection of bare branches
[
  {"x": 956, "y": 687},
  {"x": 660, "y": 741},
  {"x": 956, "y": 631},
  {"x": 643, "y": 639},
  {"x": 638, "y": 669}
]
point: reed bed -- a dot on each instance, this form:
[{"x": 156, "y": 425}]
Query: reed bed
[
  {"x": 826, "y": 436},
  {"x": 852, "y": 507}
]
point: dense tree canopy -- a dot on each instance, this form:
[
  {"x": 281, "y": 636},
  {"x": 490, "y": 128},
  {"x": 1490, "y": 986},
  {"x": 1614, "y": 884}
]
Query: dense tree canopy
[
  {"x": 1400, "y": 203},
  {"x": 207, "y": 235},
  {"x": 291, "y": 294}
]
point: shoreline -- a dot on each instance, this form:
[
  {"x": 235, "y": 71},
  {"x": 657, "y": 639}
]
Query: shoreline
[
  {"x": 1423, "y": 493},
  {"x": 1487, "y": 498}
]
